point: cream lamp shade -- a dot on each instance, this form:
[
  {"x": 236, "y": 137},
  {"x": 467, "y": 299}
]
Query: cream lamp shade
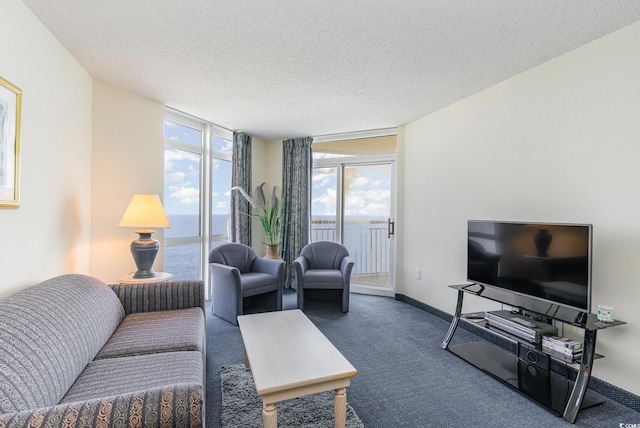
[{"x": 144, "y": 211}]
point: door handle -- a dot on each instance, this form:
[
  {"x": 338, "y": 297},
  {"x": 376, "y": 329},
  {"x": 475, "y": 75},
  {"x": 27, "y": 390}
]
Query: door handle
[{"x": 391, "y": 228}]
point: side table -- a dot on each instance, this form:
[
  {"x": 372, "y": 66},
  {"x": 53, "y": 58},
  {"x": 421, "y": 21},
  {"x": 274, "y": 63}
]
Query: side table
[{"x": 160, "y": 277}]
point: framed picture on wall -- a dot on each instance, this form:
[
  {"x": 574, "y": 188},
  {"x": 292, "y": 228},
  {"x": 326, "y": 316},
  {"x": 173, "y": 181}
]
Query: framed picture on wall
[{"x": 10, "y": 110}]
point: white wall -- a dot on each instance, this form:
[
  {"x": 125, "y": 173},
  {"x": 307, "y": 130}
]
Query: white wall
[
  {"x": 128, "y": 158},
  {"x": 49, "y": 234},
  {"x": 559, "y": 143}
]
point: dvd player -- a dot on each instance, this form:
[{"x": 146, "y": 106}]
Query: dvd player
[{"x": 520, "y": 326}]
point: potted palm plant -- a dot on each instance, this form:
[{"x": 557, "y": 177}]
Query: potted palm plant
[{"x": 269, "y": 213}]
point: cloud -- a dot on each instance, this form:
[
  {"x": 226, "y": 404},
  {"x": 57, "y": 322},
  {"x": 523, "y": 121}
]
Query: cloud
[
  {"x": 370, "y": 202},
  {"x": 325, "y": 204},
  {"x": 181, "y": 172},
  {"x": 359, "y": 182},
  {"x": 227, "y": 147},
  {"x": 172, "y": 155},
  {"x": 323, "y": 177},
  {"x": 174, "y": 177},
  {"x": 184, "y": 195}
]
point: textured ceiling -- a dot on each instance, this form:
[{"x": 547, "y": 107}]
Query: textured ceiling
[{"x": 289, "y": 68}]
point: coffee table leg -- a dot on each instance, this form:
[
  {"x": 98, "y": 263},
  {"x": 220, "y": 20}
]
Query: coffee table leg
[
  {"x": 340, "y": 407},
  {"x": 269, "y": 416}
]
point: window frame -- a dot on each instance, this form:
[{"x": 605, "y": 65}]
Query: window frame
[{"x": 207, "y": 155}]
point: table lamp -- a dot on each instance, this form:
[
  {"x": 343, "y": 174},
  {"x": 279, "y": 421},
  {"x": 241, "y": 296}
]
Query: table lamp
[{"x": 144, "y": 211}]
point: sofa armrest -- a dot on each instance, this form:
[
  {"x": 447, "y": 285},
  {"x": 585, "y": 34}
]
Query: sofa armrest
[
  {"x": 160, "y": 296},
  {"x": 179, "y": 405}
]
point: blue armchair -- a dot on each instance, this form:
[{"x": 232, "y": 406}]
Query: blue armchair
[
  {"x": 237, "y": 273},
  {"x": 324, "y": 265}
]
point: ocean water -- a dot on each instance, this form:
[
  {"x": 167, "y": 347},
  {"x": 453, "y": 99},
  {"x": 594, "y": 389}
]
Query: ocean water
[
  {"x": 183, "y": 261},
  {"x": 365, "y": 238},
  {"x": 184, "y": 225}
]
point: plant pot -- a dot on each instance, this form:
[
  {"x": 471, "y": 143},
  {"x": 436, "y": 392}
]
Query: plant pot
[{"x": 272, "y": 251}]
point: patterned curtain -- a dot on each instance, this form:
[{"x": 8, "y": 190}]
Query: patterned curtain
[
  {"x": 240, "y": 227},
  {"x": 297, "y": 164}
]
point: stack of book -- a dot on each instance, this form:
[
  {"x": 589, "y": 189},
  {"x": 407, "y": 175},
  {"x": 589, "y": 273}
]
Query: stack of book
[{"x": 562, "y": 348}]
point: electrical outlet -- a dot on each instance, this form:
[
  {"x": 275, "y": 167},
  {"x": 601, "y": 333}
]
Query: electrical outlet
[{"x": 418, "y": 273}]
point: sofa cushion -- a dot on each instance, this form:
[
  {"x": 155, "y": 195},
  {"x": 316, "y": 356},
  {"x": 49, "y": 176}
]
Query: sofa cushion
[
  {"x": 116, "y": 376},
  {"x": 49, "y": 333},
  {"x": 160, "y": 331}
]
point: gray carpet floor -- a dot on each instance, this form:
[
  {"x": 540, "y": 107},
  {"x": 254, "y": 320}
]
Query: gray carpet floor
[
  {"x": 241, "y": 406},
  {"x": 405, "y": 379}
]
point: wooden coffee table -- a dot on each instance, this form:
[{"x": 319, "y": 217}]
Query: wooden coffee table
[{"x": 289, "y": 358}]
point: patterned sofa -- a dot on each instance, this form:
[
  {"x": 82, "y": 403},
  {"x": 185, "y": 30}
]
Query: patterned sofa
[{"x": 75, "y": 352}]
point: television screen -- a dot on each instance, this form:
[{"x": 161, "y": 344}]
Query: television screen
[{"x": 551, "y": 262}]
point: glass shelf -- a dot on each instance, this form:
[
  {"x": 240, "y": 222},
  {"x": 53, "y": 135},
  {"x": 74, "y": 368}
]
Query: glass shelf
[{"x": 566, "y": 315}]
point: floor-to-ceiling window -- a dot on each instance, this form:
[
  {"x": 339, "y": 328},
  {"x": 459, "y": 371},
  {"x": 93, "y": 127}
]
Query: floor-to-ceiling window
[
  {"x": 197, "y": 179},
  {"x": 353, "y": 203}
]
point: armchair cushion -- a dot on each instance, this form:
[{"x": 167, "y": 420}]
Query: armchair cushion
[
  {"x": 323, "y": 278},
  {"x": 256, "y": 283}
]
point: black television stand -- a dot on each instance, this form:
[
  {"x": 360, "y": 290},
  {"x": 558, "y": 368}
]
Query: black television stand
[{"x": 528, "y": 370}]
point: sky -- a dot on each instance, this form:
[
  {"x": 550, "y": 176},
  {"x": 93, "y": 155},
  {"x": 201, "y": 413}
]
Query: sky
[
  {"x": 367, "y": 188},
  {"x": 367, "y": 191},
  {"x": 182, "y": 169}
]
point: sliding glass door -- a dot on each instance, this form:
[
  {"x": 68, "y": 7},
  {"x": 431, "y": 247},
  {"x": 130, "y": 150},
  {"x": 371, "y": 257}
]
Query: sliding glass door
[{"x": 352, "y": 203}]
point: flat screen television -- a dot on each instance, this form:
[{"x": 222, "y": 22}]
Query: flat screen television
[{"x": 545, "y": 261}]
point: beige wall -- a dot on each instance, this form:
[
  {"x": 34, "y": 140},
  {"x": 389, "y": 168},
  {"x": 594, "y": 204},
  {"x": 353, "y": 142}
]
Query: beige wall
[
  {"x": 559, "y": 143},
  {"x": 128, "y": 158},
  {"x": 49, "y": 234},
  {"x": 273, "y": 163},
  {"x": 266, "y": 158}
]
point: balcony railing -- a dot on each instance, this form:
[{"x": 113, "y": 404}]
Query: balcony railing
[{"x": 368, "y": 244}]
